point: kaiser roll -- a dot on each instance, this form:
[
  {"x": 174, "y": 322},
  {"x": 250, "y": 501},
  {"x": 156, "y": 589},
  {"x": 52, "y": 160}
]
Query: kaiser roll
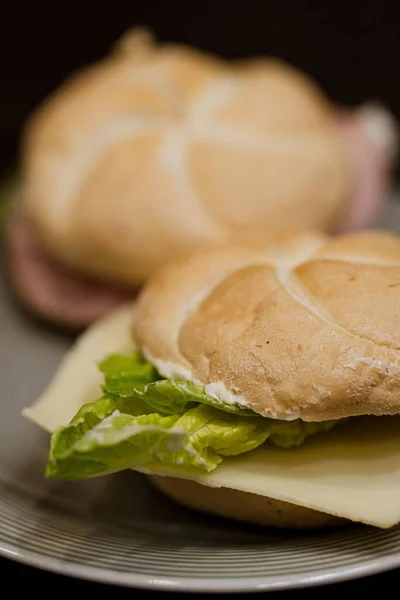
[{"x": 158, "y": 151}]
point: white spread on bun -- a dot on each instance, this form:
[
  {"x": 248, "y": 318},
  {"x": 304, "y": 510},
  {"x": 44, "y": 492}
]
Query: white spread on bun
[{"x": 301, "y": 332}]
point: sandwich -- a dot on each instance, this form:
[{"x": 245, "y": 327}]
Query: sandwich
[
  {"x": 158, "y": 151},
  {"x": 256, "y": 382}
]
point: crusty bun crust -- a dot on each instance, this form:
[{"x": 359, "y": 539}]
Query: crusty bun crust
[
  {"x": 242, "y": 506},
  {"x": 305, "y": 328},
  {"x": 160, "y": 150}
]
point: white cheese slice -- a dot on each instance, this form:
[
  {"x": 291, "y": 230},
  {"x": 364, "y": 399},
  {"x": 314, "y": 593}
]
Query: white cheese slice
[
  {"x": 77, "y": 379},
  {"x": 352, "y": 472}
]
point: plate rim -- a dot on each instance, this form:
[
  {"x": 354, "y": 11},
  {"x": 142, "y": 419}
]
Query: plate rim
[{"x": 195, "y": 584}]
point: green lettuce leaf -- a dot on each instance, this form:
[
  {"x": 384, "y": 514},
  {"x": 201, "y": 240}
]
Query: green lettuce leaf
[
  {"x": 123, "y": 375},
  {"x": 102, "y": 440},
  {"x": 143, "y": 420},
  {"x": 133, "y": 378}
]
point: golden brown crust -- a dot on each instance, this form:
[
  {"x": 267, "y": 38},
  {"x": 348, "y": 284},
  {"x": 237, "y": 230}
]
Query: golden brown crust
[
  {"x": 159, "y": 151},
  {"x": 242, "y": 506},
  {"x": 306, "y": 328}
]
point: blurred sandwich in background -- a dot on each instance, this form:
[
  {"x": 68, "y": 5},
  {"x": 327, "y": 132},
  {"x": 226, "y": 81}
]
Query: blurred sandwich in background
[{"x": 161, "y": 150}]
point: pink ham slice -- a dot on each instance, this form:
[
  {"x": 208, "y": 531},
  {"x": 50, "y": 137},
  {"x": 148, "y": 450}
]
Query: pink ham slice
[
  {"x": 371, "y": 146},
  {"x": 49, "y": 289},
  {"x": 72, "y": 300}
]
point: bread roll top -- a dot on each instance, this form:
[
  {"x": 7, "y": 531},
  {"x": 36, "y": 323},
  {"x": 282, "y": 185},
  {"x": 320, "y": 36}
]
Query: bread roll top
[
  {"x": 158, "y": 151},
  {"x": 306, "y": 327}
]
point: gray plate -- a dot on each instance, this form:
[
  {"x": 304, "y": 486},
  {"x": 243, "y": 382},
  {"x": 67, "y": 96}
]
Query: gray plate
[{"x": 119, "y": 530}]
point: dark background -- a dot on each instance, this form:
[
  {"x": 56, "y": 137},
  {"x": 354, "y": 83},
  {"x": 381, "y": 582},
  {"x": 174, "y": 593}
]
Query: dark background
[
  {"x": 19, "y": 576},
  {"x": 352, "y": 48}
]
